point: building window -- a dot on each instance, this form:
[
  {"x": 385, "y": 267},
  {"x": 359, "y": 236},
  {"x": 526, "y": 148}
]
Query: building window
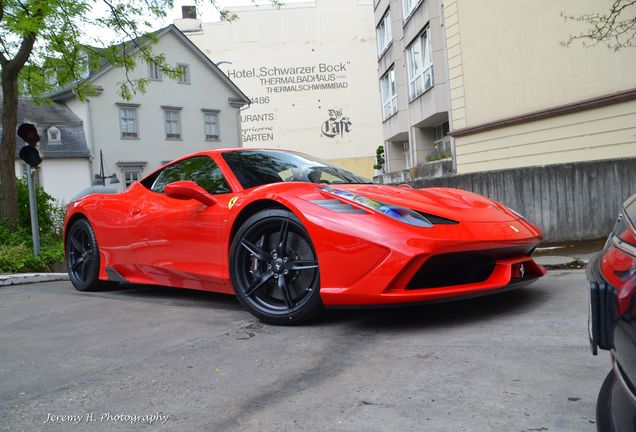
[
  {"x": 185, "y": 73},
  {"x": 408, "y": 6},
  {"x": 388, "y": 94},
  {"x": 172, "y": 123},
  {"x": 132, "y": 171},
  {"x": 420, "y": 65},
  {"x": 128, "y": 122},
  {"x": 54, "y": 135},
  {"x": 211, "y": 125},
  {"x": 406, "y": 151},
  {"x": 154, "y": 72},
  {"x": 383, "y": 33},
  {"x": 130, "y": 177}
]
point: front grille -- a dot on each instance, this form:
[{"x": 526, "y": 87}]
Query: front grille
[{"x": 453, "y": 269}]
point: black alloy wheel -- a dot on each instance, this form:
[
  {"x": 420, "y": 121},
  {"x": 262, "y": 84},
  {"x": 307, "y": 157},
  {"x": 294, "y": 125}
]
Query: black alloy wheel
[
  {"x": 82, "y": 257},
  {"x": 274, "y": 268}
]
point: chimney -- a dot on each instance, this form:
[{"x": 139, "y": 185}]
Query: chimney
[{"x": 189, "y": 12}]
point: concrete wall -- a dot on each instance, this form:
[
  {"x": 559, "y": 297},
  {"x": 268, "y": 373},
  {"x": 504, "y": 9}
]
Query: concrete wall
[{"x": 575, "y": 201}]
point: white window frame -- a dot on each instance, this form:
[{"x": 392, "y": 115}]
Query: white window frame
[
  {"x": 408, "y": 6},
  {"x": 419, "y": 59},
  {"x": 132, "y": 171},
  {"x": 130, "y": 118},
  {"x": 211, "y": 126},
  {"x": 185, "y": 78},
  {"x": 383, "y": 33},
  {"x": 54, "y": 135},
  {"x": 388, "y": 93},
  {"x": 172, "y": 123},
  {"x": 154, "y": 72},
  {"x": 130, "y": 177}
]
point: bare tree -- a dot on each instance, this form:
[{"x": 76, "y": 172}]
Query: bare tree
[{"x": 615, "y": 29}]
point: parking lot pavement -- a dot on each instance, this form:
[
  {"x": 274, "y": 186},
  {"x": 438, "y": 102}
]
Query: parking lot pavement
[{"x": 192, "y": 361}]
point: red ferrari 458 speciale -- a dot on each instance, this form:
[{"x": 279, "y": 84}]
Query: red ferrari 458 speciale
[{"x": 290, "y": 235}]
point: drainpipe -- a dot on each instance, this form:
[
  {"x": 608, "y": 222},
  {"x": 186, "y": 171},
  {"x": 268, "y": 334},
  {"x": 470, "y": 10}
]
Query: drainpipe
[{"x": 91, "y": 137}]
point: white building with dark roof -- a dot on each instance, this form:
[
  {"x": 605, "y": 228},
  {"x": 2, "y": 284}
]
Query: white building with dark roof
[{"x": 172, "y": 118}]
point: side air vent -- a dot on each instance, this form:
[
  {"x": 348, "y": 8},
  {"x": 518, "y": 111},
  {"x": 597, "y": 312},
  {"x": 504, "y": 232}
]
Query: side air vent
[{"x": 337, "y": 206}]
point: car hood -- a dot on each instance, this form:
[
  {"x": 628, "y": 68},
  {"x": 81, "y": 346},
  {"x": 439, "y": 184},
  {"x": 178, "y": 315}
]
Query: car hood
[{"x": 449, "y": 203}]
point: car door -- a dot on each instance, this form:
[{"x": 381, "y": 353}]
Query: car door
[{"x": 178, "y": 242}]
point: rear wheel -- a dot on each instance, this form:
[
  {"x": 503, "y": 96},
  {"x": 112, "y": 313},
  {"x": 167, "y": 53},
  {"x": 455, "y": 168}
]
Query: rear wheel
[
  {"x": 274, "y": 268},
  {"x": 82, "y": 257}
]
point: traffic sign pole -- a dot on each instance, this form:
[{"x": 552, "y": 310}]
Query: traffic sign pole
[{"x": 35, "y": 229}]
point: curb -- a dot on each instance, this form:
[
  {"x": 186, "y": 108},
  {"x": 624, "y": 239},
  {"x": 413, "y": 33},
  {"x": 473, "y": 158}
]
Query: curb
[
  {"x": 26, "y": 278},
  {"x": 553, "y": 262}
]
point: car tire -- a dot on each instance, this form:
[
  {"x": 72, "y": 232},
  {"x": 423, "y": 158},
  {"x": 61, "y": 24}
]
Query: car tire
[
  {"x": 82, "y": 258},
  {"x": 603, "y": 405},
  {"x": 274, "y": 268}
]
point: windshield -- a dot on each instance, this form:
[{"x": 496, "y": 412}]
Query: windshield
[{"x": 259, "y": 167}]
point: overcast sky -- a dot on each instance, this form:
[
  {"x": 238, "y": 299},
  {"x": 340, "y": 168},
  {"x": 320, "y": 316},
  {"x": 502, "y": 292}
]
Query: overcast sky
[{"x": 205, "y": 12}]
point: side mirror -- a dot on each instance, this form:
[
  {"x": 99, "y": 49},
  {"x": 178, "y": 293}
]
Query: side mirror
[{"x": 185, "y": 190}]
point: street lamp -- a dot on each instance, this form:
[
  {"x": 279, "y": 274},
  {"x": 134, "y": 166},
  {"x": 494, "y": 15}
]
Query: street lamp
[{"x": 101, "y": 178}]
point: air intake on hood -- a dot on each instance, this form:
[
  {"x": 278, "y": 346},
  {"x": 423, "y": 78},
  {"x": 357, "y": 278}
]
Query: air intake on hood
[{"x": 437, "y": 220}]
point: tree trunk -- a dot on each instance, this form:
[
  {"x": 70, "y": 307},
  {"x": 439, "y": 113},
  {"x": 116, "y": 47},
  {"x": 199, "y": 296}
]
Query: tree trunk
[{"x": 8, "y": 191}]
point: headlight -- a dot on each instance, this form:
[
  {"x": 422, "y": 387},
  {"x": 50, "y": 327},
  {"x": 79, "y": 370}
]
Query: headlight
[{"x": 401, "y": 214}]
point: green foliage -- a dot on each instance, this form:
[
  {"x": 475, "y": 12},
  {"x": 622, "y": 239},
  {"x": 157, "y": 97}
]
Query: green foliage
[
  {"x": 50, "y": 212},
  {"x": 379, "y": 158},
  {"x": 19, "y": 258},
  {"x": 438, "y": 156},
  {"x": 16, "y": 246},
  {"x": 71, "y": 40}
]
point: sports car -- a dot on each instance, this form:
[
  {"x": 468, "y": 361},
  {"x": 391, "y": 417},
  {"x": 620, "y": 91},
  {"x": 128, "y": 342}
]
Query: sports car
[
  {"x": 291, "y": 235},
  {"x": 611, "y": 278}
]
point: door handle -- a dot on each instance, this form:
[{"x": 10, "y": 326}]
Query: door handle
[{"x": 135, "y": 211}]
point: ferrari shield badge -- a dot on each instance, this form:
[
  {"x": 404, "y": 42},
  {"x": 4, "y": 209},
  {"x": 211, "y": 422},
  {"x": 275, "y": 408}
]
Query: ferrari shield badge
[{"x": 232, "y": 202}]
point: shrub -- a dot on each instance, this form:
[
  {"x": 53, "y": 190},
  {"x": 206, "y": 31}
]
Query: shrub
[
  {"x": 16, "y": 246},
  {"x": 438, "y": 156}
]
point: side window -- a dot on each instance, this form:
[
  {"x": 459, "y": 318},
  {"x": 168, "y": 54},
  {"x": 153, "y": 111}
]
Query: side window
[{"x": 200, "y": 169}]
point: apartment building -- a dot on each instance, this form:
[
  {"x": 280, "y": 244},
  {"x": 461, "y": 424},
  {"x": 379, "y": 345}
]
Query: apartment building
[{"x": 413, "y": 79}]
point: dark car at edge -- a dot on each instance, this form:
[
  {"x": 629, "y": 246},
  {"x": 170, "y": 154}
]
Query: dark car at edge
[{"x": 611, "y": 276}]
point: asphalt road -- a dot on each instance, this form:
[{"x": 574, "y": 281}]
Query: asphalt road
[{"x": 518, "y": 361}]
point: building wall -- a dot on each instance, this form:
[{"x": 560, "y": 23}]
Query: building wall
[
  {"x": 302, "y": 65},
  {"x": 101, "y": 114},
  {"x": 506, "y": 61},
  {"x": 61, "y": 178}
]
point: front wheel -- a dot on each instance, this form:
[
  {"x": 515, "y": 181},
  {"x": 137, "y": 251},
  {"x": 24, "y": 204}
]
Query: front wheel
[{"x": 274, "y": 268}]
